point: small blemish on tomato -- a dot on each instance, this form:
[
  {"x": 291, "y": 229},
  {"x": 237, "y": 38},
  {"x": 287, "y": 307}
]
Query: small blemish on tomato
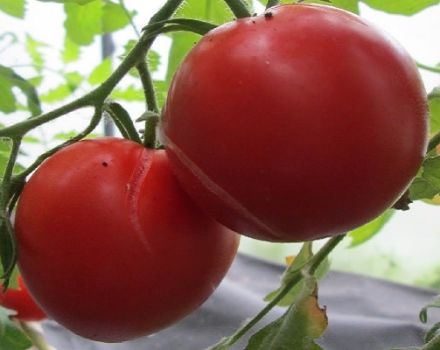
[
  {"x": 104, "y": 164},
  {"x": 268, "y": 15}
]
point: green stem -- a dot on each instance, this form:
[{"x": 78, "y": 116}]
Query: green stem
[
  {"x": 238, "y": 8},
  {"x": 35, "y": 337},
  {"x": 434, "y": 344},
  {"x": 308, "y": 269},
  {"x": 433, "y": 69},
  {"x": 92, "y": 125},
  {"x": 166, "y": 11},
  {"x": 434, "y": 142},
  {"x": 147, "y": 83},
  {"x": 150, "y": 131},
  {"x": 271, "y": 3},
  {"x": 7, "y": 176}
]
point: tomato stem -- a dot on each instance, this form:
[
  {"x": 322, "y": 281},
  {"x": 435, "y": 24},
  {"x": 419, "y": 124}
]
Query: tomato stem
[
  {"x": 238, "y": 8},
  {"x": 309, "y": 269},
  {"x": 35, "y": 337},
  {"x": 433, "y": 69}
]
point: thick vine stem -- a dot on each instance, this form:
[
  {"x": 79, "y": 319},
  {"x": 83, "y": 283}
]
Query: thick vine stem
[
  {"x": 238, "y": 8},
  {"x": 308, "y": 269},
  {"x": 92, "y": 125}
]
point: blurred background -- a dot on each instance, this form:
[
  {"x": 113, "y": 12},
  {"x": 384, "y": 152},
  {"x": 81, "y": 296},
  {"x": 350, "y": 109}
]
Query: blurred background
[{"x": 35, "y": 45}]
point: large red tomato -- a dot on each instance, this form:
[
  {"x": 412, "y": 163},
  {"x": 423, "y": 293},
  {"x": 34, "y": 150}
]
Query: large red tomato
[
  {"x": 20, "y": 301},
  {"x": 301, "y": 123},
  {"x": 109, "y": 244}
]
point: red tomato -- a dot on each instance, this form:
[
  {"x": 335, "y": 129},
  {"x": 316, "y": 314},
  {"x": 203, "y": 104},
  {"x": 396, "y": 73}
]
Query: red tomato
[
  {"x": 301, "y": 123},
  {"x": 20, "y": 301},
  {"x": 110, "y": 245}
]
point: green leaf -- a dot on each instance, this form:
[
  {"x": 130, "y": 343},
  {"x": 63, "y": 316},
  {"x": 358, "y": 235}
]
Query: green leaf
[
  {"x": 74, "y": 79},
  {"x": 71, "y": 51},
  {"x": 131, "y": 93},
  {"x": 10, "y": 79},
  {"x": 367, "y": 231},
  {"x": 299, "y": 261},
  {"x": 298, "y": 328},
  {"x": 153, "y": 59},
  {"x": 114, "y": 17},
  {"x": 33, "y": 49},
  {"x": 101, "y": 72},
  {"x": 7, "y": 102},
  {"x": 83, "y": 22},
  {"x": 403, "y": 7},
  {"x": 11, "y": 337},
  {"x": 431, "y": 170},
  {"x": 422, "y": 189},
  {"x": 349, "y": 5},
  {"x": 57, "y": 94},
  {"x": 15, "y": 8},
  {"x": 434, "y": 109},
  {"x": 432, "y": 332},
  {"x": 79, "y": 2}
]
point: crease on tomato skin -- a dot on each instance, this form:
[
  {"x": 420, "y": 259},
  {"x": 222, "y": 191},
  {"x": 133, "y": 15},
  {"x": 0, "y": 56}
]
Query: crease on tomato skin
[
  {"x": 214, "y": 188},
  {"x": 134, "y": 185}
]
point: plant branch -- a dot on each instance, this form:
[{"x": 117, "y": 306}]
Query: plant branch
[
  {"x": 147, "y": 84},
  {"x": 238, "y": 8},
  {"x": 309, "y": 268},
  {"x": 434, "y": 69},
  {"x": 434, "y": 142},
  {"x": 92, "y": 125}
]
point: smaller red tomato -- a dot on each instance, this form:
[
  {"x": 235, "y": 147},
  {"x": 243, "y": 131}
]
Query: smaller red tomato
[{"x": 22, "y": 303}]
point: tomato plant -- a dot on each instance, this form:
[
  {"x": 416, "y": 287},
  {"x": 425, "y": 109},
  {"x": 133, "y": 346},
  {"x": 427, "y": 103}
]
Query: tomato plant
[
  {"x": 300, "y": 123},
  {"x": 20, "y": 301},
  {"x": 115, "y": 249}
]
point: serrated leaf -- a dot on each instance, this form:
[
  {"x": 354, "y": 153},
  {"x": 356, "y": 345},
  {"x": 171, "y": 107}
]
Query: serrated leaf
[
  {"x": 431, "y": 170},
  {"x": 153, "y": 59},
  {"x": 33, "y": 49},
  {"x": 299, "y": 261},
  {"x": 131, "y": 93},
  {"x": 403, "y": 7},
  {"x": 101, "y": 72},
  {"x": 71, "y": 51},
  {"x": 434, "y": 109},
  {"x": 298, "y": 328},
  {"x": 422, "y": 189},
  {"x": 114, "y": 17},
  {"x": 11, "y": 79},
  {"x": 57, "y": 94},
  {"x": 15, "y": 8},
  {"x": 11, "y": 337},
  {"x": 367, "y": 231},
  {"x": 83, "y": 22}
]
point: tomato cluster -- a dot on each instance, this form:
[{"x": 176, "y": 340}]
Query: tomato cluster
[{"x": 297, "y": 124}]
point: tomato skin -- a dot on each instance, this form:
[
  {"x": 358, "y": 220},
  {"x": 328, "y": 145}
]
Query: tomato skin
[
  {"x": 20, "y": 300},
  {"x": 110, "y": 245},
  {"x": 295, "y": 126}
]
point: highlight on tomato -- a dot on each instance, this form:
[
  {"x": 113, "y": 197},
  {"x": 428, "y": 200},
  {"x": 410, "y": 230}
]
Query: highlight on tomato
[
  {"x": 304, "y": 122},
  {"x": 111, "y": 246}
]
